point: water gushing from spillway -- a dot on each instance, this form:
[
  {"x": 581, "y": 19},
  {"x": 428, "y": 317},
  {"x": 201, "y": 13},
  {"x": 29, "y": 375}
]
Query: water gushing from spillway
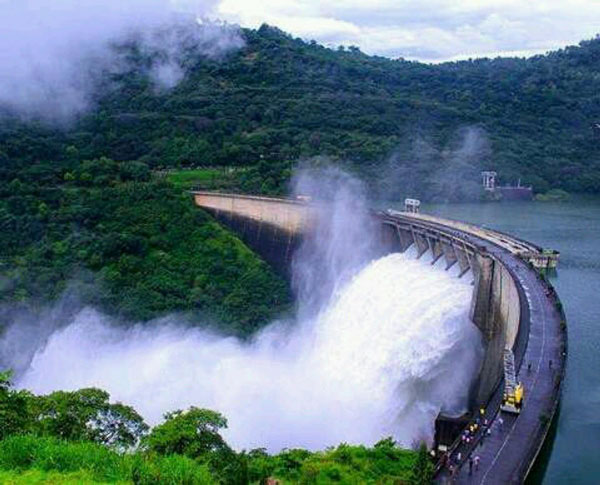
[
  {"x": 378, "y": 347},
  {"x": 392, "y": 349}
]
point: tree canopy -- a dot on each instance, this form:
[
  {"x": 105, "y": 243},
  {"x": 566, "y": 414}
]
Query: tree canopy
[
  {"x": 193, "y": 433},
  {"x": 89, "y": 202},
  {"x": 281, "y": 98},
  {"x": 131, "y": 244},
  {"x": 82, "y": 437}
]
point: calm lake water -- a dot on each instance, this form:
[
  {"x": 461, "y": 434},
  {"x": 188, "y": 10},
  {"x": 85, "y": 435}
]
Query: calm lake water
[{"x": 573, "y": 228}]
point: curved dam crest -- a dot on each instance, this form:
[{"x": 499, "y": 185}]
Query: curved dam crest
[{"x": 513, "y": 307}]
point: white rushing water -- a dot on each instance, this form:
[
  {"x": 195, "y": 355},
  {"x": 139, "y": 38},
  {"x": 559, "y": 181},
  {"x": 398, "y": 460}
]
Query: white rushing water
[{"x": 390, "y": 350}]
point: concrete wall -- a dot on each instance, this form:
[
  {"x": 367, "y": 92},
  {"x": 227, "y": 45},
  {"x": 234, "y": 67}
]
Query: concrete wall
[
  {"x": 288, "y": 215},
  {"x": 271, "y": 227},
  {"x": 274, "y": 228},
  {"x": 496, "y": 310},
  {"x": 495, "y": 305}
]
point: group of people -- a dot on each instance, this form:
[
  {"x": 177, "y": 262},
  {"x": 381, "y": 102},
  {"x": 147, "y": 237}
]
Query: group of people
[
  {"x": 473, "y": 462},
  {"x": 480, "y": 425},
  {"x": 478, "y": 428}
]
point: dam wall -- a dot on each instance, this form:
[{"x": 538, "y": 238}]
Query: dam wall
[
  {"x": 512, "y": 306},
  {"x": 290, "y": 216},
  {"x": 272, "y": 227}
]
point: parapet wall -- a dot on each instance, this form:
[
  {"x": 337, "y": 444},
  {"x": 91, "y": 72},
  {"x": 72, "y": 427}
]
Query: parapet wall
[
  {"x": 290, "y": 216},
  {"x": 496, "y": 310},
  {"x": 272, "y": 227}
]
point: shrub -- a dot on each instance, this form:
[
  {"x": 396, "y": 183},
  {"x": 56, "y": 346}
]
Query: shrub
[
  {"x": 25, "y": 451},
  {"x": 174, "y": 469}
]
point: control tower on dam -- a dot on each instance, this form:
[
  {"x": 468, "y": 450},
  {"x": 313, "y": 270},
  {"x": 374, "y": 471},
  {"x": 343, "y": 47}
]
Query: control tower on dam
[{"x": 516, "y": 393}]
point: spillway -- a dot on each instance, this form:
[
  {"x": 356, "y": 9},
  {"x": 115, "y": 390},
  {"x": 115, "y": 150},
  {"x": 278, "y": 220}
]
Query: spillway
[
  {"x": 392, "y": 348},
  {"x": 512, "y": 305}
]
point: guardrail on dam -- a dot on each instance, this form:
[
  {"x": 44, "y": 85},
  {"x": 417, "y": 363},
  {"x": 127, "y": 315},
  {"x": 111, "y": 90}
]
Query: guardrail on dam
[{"x": 512, "y": 305}]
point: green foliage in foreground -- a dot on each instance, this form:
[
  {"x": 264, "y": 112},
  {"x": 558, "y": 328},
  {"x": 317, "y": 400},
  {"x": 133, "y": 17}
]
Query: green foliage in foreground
[
  {"x": 422, "y": 471},
  {"x": 33, "y": 458},
  {"x": 39, "y": 477},
  {"x": 385, "y": 463},
  {"x": 79, "y": 437},
  {"x": 98, "y": 464},
  {"x": 83, "y": 415},
  {"x": 194, "y": 433}
]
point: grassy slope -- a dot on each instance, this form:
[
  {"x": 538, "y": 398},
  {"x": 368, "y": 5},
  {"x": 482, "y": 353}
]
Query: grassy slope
[
  {"x": 39, "y": 477},
  {"x": 29, "y": 456},
  {"x": 28, "y": 459},
  {"x": 186, "y": 179}
]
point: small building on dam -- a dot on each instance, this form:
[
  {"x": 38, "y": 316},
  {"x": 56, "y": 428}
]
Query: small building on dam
[{"x": 516, "y": 393}]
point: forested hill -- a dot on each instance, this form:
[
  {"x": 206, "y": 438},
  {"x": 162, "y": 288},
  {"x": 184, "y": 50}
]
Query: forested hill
[
  {"x": 280, "y": 99},
  {"x": 82, "y": 202}
]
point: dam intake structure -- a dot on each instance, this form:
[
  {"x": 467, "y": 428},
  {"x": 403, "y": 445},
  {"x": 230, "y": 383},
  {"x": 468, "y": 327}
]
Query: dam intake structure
[{"x": 513, "y": 306}]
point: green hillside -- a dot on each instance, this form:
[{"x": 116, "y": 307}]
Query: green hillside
[
  {"x": 92, "y": 201},
  {"x": 129, "y": 243},
  {"x": 281, "y": 99}
]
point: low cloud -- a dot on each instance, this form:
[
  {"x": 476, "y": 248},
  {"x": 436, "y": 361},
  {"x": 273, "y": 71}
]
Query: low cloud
[{"x": 52, "y": 54}]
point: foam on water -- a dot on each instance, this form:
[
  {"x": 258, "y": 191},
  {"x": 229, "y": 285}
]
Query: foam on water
[{"x": 393, "y": 347}]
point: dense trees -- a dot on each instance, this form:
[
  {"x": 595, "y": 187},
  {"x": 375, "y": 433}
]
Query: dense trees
[
  {"x": 86, "y": 202},
  {"x": 14, "y": 412},
  {"x": 193, "y": 433},
  {"x": 83, "y": 415},
  {"x": 422, "y": 471},
  {"x": 131, "y": 244},
  {"x": 87, "y": 415},
  {"x": 80, "y": 437},
  {"x": 279, "y": 98}
]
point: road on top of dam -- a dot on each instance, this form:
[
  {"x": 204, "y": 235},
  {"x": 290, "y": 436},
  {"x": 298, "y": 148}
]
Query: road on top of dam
[{"x": 507, "y": 453}]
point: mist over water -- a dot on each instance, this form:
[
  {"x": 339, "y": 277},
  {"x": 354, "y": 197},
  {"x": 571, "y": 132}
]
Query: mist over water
[
  {"x": 342, "y": 238},
  {"x": 383, "y": 347}
]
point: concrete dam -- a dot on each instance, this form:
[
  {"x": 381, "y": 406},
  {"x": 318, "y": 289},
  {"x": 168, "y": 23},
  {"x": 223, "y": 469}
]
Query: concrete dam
[{"x": 516, "y": 310}]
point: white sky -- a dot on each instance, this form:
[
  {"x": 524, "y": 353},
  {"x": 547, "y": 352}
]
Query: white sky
[{"x": 427, "y": 30}]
